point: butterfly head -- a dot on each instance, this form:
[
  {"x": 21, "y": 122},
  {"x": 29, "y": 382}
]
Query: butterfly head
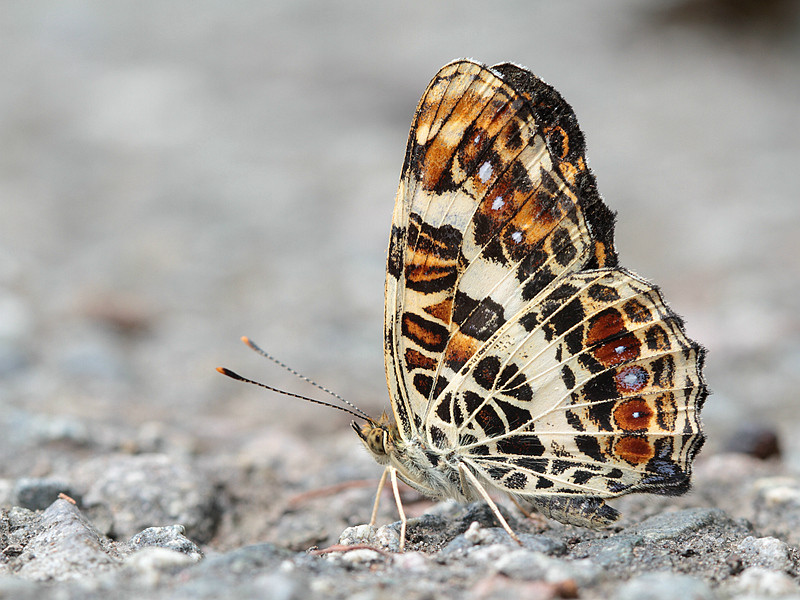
[{"x": 378, "y": 436}]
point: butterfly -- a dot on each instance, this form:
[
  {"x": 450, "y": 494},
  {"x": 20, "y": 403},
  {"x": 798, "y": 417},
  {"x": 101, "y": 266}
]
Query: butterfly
[{"x": 520, "y": 358}]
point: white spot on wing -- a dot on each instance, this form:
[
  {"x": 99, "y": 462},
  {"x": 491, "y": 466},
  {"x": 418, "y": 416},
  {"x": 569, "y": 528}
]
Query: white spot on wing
[
  {"x": 485, "y": 171},
  {"x": 633, "y": 378},
  {"x": 517, "y": 236},
  {"x": 498, "y": 203}
]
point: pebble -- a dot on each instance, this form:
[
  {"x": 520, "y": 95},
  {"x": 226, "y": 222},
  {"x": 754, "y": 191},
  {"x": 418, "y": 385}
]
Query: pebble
[
  {"x": 761, "y": 582},
  {"x": 528, "y": 565},
  {"x": 665, "y": 586},
  {"x": 153, "y": 565},
  {"x": 766, "y": 552},
  {"x": 170, "y": 538},
  {"x": 415, "y": 562},
  {"x": 63, "y": 545}
]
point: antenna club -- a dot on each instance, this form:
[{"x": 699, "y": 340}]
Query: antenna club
[
  {"x": 229, "y": 373},
  {"x": 246, "y": 340}
]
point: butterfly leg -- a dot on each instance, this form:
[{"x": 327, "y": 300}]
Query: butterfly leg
[
  {"x": 403, "y": 520},
  {"x": 584, "y": 511},
  {"x": 485, "y": 495},
  {"x": 375, "y": 506}
]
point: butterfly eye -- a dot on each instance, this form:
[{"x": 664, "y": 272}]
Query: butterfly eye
[{"x": 376, "y": 441}]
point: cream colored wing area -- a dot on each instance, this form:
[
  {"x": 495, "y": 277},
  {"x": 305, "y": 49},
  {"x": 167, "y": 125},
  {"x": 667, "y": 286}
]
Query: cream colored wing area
[{"x": 593, "y": 388}]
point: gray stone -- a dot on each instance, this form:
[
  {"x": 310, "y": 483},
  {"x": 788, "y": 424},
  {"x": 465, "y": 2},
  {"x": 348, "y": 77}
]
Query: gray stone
[
  {"x": 777, "y": 507},
  {"x": 152, "y": 566},
  {"x": 170, "y": 537},
  {"x": 65, "y": 546},
  {"x": 615, "y": 551},
  {"x": 761, "y": 582},
  {"x": 767, "y": 552},
  {"x": 665, "y": 586},
  {"x": 149, "y": 490},
  {"x": 528, "y": 565},
  {"x": 675, "y": 524}
]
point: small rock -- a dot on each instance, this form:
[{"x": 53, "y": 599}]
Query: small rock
[
  {"x": 759, "y": 581},
  {"x": 478, "y": 535},
  {"x": 150, "y": 564},
  {"x": 64, "y": 545},
  {"x": 674, "y": 524},
  {"x": 778, "y": 492},
  {"x": 489, "y": 554},
  {"x": 527, "y": 565},
  {"x": 664, "y": 586},
  {"x": 777, "y": 507},
  {"x": 358, "y": 534},
  {"x": 357, "y": 557},
  {"x": 388, "y": 537},
  {"x": 766, "y": 552},
  {"x": 170, "y": 537},
  {"x": 415, "y": 562}
]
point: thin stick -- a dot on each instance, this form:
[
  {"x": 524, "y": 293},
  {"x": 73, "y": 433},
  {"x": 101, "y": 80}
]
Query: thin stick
[{"x": 482, "y": 491}]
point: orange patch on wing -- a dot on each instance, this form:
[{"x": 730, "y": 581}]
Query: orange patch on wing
[
  {"x": 635, "y": 450},
  {"x": 602, "y": 253},
  {"x": 427, "y": 337},
  {"x": 460, "y": 349},
  {"x": 426, "y": 267},
  {"x": 442, "y": 310},
  {"x": 605, "y": 325},
  {"x": 503, "y": 200},
  {"x": 417, "y": 360},
  {"x": 633, "y": 415},
  {"x": 438, "y": 155},
  {"x": 536, "y": 219},
  {"x": 618, "y": 351}
]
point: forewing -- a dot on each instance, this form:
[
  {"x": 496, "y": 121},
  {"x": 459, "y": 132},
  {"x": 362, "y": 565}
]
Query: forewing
[{"x": 495, "y": 203}]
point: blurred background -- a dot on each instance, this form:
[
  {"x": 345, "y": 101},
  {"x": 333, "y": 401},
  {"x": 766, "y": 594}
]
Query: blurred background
[{"x": 176, "y": 175}]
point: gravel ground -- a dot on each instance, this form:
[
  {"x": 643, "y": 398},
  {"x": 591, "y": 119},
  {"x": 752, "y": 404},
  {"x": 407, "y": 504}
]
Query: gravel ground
[{"x": 177, "y": 175}]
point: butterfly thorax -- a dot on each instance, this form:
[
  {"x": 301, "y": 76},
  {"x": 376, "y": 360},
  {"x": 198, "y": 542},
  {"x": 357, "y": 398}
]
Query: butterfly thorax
[{"x": 432, "y": 471}]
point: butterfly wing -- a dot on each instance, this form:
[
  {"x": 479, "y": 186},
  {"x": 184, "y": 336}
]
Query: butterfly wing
[
  {"x": 495, "y": 202},
  {"x": 596, "y": 391},
  {"x": 510, "y": 335}
]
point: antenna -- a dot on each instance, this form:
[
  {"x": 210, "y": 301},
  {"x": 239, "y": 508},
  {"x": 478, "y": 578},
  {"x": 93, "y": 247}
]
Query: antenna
[
  {"x": 253, "y": 346},
  {"x": 238, "y": 377}
]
